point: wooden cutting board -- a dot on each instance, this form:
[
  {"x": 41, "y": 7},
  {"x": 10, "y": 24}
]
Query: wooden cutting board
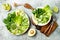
[{"x": 42, "y": 29}]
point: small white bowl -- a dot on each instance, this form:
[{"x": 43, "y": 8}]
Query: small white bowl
[{"x": 40, "y": 24}]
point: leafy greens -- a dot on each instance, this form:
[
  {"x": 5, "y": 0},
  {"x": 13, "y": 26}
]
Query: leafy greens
[
  {"x": 42, "y": 15},
  {"x": 17, "y": 22}
]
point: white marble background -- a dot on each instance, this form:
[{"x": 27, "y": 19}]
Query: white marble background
[{"x": 5, "y": 35}]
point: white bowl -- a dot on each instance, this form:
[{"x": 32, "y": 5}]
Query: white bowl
[
  {"x": 26, "y": 28},
  {"x": 40, "y": 24}
]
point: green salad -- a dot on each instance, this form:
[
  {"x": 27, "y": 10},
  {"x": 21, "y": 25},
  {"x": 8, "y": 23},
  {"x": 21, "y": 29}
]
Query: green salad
[
  {"x": 42, "y": 15},
  {"x": 17, "y": 22}
]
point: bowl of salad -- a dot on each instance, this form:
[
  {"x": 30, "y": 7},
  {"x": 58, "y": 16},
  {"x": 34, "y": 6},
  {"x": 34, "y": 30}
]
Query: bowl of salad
[
  {"x": 17, "y": 22},
  {"x": 41, "y": 15}
]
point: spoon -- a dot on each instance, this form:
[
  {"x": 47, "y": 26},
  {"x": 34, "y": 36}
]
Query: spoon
[{"x": 28, "y": 6}]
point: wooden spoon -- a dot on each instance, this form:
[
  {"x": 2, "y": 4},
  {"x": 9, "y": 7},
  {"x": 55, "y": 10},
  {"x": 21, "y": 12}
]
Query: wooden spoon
[{"x": 28, "y": 6}]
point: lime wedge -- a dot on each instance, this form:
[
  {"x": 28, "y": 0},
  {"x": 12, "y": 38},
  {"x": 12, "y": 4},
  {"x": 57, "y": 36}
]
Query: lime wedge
[
  {"x": 6, "y": 6},
  {"x": 55, "y": 9}
]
